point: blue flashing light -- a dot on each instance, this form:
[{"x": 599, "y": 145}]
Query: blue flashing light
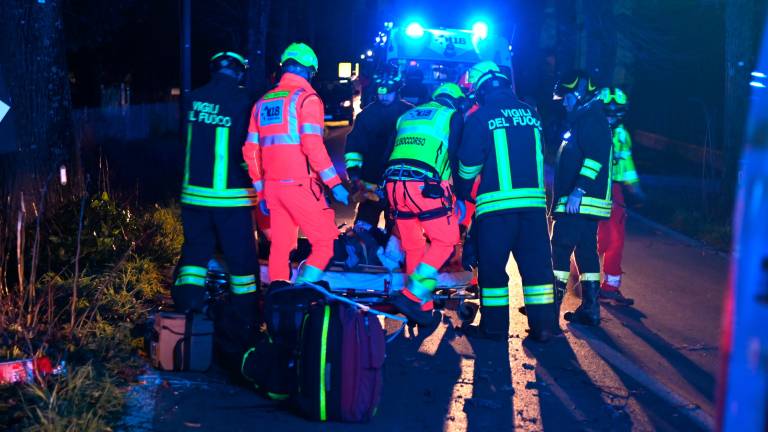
[
  {"x": 757, "y": 74},
  {"x": 480, "y": 30},
  {"x": 414, "y": 30},
  {"x": 369, "y": 53},
  {"x": 567, "y": 135},
  {"x": 757, "y": 84}
]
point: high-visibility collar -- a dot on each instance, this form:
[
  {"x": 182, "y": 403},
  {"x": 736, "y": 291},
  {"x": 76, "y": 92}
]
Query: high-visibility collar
[{"x": 292, "y": 80}]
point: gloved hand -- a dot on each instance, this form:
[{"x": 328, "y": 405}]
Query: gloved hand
[
  {"x": 263, "y": 207},
  {"x": 574, "y": 201},
  {"x": 354, "y": 174},
  {"x": 461, "y": 209},
  {"x": 340, "y": 194},
  {"x": 636, "y": 195}
]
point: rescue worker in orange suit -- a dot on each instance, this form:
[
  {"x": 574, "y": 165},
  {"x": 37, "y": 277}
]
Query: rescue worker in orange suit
[
  {"x": 610, "y": 233},
  {"x": 582, "y": 193},
  {"x": 287, "y": 161},
  {"x": 367, "y": 150},
  {"x": 419, "y": 193},
  {"x": 502, "y": 144},
  {"x": 217, "y": 197}
]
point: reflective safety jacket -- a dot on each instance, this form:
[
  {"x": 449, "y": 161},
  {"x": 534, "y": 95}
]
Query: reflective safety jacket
[
  {"x": 368, "y": 144},
  {"x": 623, "y": 164},
  {"x": 427, "y": 139},
  {"x": 584, "y": 161},
  {"x": 502, "y": 143},
  {"x": 285, "y": 136},
  {"x": 216, "y": 121}
]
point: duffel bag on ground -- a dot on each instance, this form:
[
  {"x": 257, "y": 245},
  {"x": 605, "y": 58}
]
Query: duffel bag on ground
[
  {"x": 182, "y": 342},
  {"x": 271, "y": 368},
  {"x": 341, "y": 354}
]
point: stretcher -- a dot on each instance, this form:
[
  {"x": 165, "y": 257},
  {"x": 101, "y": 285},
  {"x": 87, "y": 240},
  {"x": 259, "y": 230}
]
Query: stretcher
[{"x": 373, "y": 285}]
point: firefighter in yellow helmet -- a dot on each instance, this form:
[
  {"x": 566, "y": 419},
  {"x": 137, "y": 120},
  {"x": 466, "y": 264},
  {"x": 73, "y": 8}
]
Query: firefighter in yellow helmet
[{"x": 502, "y": 143}]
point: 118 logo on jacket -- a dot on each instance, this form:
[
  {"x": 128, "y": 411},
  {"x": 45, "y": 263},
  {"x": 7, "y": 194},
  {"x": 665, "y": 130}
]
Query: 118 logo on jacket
[{"x": 208, "y": 113}]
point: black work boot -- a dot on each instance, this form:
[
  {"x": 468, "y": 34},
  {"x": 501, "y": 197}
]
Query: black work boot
[
  {"x": 494, "y": 325},
  {"x": 540, "y": 321},
  {"x": 560, "y": 289},
  {"x": 589, "y": 311},
  {"x": 615, "y": 297},
  {"x": 413, "y": 310}
]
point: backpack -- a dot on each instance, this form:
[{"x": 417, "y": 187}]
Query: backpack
[
  {"x": 341, "y": 352},
  {"x": 271, "y": 368},
  {"x": 284, "y": 310}
]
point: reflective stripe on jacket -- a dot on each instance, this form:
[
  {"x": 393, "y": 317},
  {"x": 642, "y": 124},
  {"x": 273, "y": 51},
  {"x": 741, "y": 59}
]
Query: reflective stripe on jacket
[
  {"x": 285, "y": 136},
  {"x": 422, "y": 139}
]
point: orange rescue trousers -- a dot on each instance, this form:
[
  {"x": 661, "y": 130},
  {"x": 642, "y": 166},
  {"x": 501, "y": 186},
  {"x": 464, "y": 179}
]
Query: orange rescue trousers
[
  {"x": 293, "y": 205},
  {"x": 422, "y": 263}
]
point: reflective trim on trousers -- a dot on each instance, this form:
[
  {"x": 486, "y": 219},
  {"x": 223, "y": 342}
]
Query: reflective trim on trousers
[
  {"x": 590, "y": 277},
  {"x": 243, "y": 284},
  {"x": 494, "y": 297},
  {"x": 191, "y": 275},
  {"x": 562, "y": 276},
  {"x": 539, "y": 294}
]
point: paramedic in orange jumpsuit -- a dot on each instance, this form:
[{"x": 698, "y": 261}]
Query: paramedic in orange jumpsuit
[
  {"x": 420, "y": 196},
  {"x": 287, "y": 162}
]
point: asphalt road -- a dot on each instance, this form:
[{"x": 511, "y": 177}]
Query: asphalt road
[{"x": 648, "y": 367}]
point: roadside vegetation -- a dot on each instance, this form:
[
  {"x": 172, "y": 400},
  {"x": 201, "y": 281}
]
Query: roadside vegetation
[{"x": 90, "y": 272}]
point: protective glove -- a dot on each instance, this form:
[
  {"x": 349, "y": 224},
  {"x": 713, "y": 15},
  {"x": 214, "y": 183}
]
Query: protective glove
[
  {"x": 460, "y": 210},
  {"x": 574, "y": 201},
  {"x": 636, "y": 195},
  {"x": 354, "y": 174},
  {"x": 263, "y": 207},
  {"x": 340, "y": 194}
]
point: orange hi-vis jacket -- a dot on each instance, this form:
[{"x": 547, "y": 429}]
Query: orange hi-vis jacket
[{"x": 285, "y": 136}]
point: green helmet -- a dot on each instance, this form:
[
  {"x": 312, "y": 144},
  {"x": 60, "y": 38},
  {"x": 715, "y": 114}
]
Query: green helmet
[
  {"x": 300, "y": 53},
  {"x": 448, "y": 89},
  {"x": 481, "y": 72}
]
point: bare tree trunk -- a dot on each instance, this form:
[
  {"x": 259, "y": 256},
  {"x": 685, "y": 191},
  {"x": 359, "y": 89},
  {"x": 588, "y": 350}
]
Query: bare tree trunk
[
  {"x": 601, "y": 39},
  {"x": 32, "y": 53},
  {"x": 567, "y": 36},
  {"x": 742, "y": 32},
  {"x": 258, "y": 23}
]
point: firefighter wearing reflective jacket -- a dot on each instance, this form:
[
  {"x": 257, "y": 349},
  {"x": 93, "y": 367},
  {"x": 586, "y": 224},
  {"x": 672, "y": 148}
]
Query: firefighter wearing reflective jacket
[
  {"x": 420, "y": 197},
  {"x": 502, "y": 143},
  {"x": 287, "y": 162},
  {"x": 367, "y": 150},
  {"x": 610, "y": 233},
  {"x": 217, "y": 197},
  {"x": 582, "y": 193}
]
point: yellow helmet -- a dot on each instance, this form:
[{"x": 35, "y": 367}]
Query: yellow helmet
[
  {"x": 448, "y": 89},
  {"x": 481, "y": 72},
  {"x": 301, "y": 53}
]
